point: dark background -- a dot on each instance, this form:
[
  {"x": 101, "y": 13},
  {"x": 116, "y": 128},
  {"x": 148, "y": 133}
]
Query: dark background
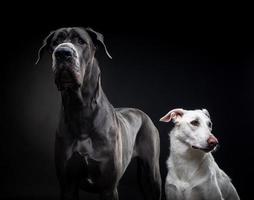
[{"x": 160, "y": 61}]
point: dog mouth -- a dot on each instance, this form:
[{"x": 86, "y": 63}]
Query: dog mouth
[
  {"x": 203, "y": 149},
  {"x": 67, "y": 79}
]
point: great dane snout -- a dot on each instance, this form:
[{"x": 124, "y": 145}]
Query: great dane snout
[
  {"x": 66, "y": 66},
  {"x": 63, "y": 53}
]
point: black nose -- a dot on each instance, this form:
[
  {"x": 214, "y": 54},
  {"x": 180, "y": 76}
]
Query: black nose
[{"x": 63, "y": 53}]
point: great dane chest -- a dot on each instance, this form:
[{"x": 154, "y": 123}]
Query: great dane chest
[
  {"x": 92, "y": 150},
  {"x": 78, "y": 125},
  {"x": 83, "y": 146},
  {"x": 97, "y": 159}
]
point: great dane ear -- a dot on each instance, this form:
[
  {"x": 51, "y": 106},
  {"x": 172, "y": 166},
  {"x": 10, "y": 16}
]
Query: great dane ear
[
  {"x": 173, "y": 115},
  {"x": 98, "y": 37},
  {"x": 45, "y": 45},
  {"x": 206, "y": 112}
]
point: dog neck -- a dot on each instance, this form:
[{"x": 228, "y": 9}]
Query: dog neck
[
  {"x": 80, "y": 106},
  {"x": 184, "y": 161}
]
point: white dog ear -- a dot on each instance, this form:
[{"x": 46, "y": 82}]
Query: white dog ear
[
  {"x": 206, "y": 112},
  {"x": 173, "y": 115}
]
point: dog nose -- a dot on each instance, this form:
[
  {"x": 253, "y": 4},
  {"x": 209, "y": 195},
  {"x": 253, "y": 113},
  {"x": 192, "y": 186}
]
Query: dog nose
[
  {"x": 63, "y": 53},
  {"x": 212, "y": 141}
]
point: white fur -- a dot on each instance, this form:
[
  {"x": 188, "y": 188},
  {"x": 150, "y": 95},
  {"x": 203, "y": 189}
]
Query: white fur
[{"x": 192, "y": 173}]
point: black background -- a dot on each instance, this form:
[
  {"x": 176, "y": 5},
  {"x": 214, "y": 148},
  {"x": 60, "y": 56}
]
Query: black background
[{"x": 162, "y": 59}]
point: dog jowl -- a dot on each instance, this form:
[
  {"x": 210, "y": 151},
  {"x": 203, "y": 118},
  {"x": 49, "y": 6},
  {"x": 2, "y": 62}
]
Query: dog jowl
[{"x": 95, "y": 142}]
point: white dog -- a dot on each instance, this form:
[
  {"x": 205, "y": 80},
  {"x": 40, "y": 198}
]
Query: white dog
[{"x": 192, "y": 171}]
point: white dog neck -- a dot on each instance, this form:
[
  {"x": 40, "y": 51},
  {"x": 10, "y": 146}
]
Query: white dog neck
[{"x": 185, "y": 161}]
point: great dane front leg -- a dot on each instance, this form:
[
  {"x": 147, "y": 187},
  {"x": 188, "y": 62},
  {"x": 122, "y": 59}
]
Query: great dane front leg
[
  {"x": 148, "y": 150},
  {"x": 149, "y": 180},
  {"x": 71, "y": 180}
]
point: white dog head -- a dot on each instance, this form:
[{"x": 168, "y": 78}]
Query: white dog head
[{"x": 193, "y": 127}]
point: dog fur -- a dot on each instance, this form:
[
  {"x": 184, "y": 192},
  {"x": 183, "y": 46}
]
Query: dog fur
[{"x": 192, "y": 171}]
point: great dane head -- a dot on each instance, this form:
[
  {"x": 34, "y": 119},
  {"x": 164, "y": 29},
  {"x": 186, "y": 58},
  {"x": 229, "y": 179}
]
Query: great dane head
[
  {"x": 193, "y": 127},
  {"x": 73, "y": 50}
]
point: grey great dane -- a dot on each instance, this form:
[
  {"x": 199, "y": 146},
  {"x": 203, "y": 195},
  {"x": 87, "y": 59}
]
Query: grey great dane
[{"x": 95, "y": 142}]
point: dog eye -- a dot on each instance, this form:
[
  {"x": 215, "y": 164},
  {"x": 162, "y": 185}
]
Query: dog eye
[
  {"x": 209, "y": 124},
  {"x": 195, "y": 123},
  {"x": 81, "y": 41}
]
